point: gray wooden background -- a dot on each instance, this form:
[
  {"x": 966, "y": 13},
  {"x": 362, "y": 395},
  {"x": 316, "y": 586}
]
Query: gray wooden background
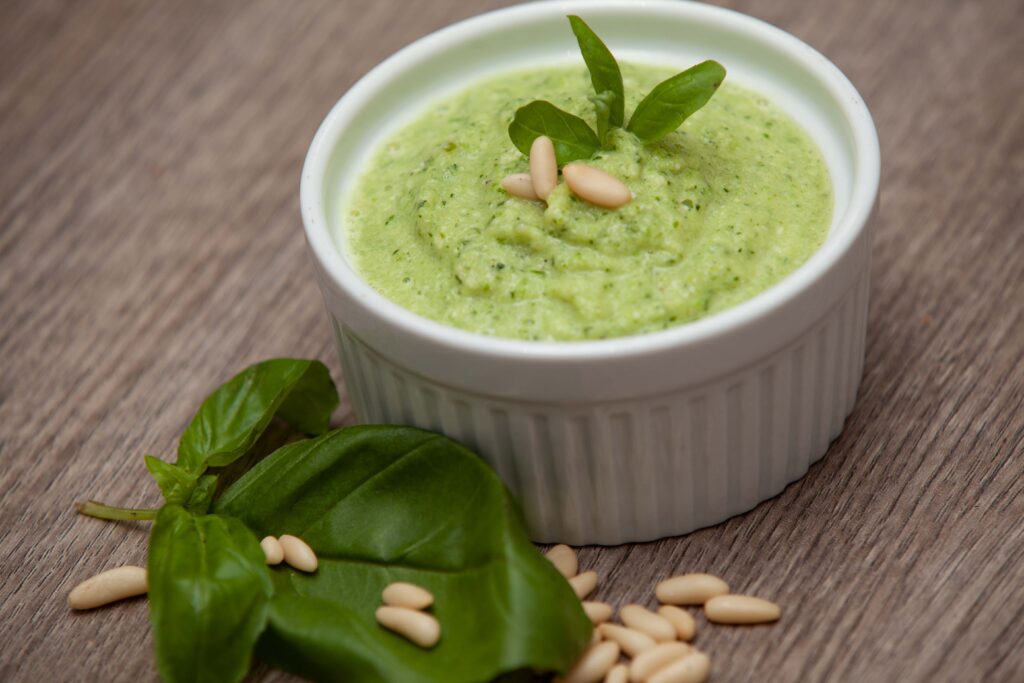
[{"x": 150, "y": 245}]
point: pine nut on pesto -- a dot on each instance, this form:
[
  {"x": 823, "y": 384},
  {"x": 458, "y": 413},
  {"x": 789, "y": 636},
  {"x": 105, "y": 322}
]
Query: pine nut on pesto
[{"x": 722, "y": 208}]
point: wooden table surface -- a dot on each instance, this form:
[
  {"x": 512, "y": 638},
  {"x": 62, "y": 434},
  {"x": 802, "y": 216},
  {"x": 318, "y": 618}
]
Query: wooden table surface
[{"x": 150, "y": 245}]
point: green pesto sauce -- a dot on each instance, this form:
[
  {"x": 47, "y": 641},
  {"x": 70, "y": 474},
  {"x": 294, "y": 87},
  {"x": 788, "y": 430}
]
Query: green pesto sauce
[{"x": 723, "y": 208}]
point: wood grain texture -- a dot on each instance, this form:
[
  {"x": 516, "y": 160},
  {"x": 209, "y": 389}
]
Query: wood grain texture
[{"x": 150, "y": 245}]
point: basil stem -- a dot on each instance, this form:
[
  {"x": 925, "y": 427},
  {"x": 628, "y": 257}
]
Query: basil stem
[{"x": 92, "y": 508}]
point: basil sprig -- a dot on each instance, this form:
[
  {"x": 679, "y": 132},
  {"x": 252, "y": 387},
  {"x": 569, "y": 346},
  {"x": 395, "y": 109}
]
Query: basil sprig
[
  {"x": 659, "y": 113},
  {"x": 377, "y": 504},
  {"x": 209, "y": 587}
]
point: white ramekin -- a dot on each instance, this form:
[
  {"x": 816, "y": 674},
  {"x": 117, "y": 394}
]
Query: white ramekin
[{"x": 626, "y": 439}]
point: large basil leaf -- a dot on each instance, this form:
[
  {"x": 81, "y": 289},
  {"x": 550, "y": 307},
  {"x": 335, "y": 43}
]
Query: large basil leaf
[
  {"x": 209, "y": 590},
  {"x": 605, "y": 75},
  {"x": 232, "y": 418},
  {"x": 673, "y": 100},
  {"x": 382, "y": 504}
]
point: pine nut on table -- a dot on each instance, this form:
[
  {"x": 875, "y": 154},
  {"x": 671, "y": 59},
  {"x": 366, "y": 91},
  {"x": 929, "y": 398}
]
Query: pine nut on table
[
  {"x": 741, "y": 609},
  {"x": 690, "y": 589},
  {"x": 109, "y": 586}
]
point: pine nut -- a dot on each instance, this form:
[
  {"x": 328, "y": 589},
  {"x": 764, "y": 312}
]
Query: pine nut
[
  {"x": 599, "y": 612},
  {"x": 419, "y": 627},
  {"x": 109, "y": 586},
  {"x": 690, "y": 589},
  {"x": 272, "y": 549},
  {"x": 646, "y": 621},
  {"x": 741, "y": 609},
  {"x": 584, "y": 584},
  {"x": 519, "y": 185},
  {"x": 618, "y": 674},
  {"x": 595, "y": 186},
  {"x": 658, "y": 657},
  {"x": 595, "y": 638},
  {"x": 693, "y": 668},
  {"x": 564, "y": 559},
  {"x": 297, "y": 553},
  {"x": 594, "y": 664},
  {"x": 543, "y": 166},
  {"x": 400, "y": 594},
  {"x": 681, "y": 620},
  {"x": 632, "y": 642}
]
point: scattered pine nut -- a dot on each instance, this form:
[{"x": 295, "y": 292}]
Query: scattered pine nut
[
  {"x": 297, "y": 553},
  {"x": 599, "y": 612},
  {"x": 564, "y": 559},
  {"x": 644, "y": 620},
  {"x": 595, "y": 638},
  {"x": 400, "y": 594},
  {"x": 594, "y": 664},
  {"x": 632, "y": 642},
  {"x": 690, "y": 589},
  {"x": 543, "y": 166},
  {"x": 681, "y": 620},
  {"x": 584, "y": 584},
  {"x": 618, "y": 674},
  {"x": 693, "y": 668},
  {"x": 272, "y": 549},
  {"x": 419, "y": 627},
  {"x": 519, "y": 185},
  {"x": 595, "y": 186},
  {"x": 109, "y": 586},
  {"x": 658, "y": 657},
  {"x": 741, "y": 609}
]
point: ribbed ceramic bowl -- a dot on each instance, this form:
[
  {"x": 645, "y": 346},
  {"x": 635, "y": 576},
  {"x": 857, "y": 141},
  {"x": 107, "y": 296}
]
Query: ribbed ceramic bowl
[{"x": 625, "y": 439}]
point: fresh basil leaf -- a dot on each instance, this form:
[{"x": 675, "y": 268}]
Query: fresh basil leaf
[
  {"x": 201, "y": 498},
  {"x": 672, "y": 101},
  {"x": 602, "y": 115},
  {"x": 604, "y": 70},
  {"x": 175, "y": 483},
  {"x": 381, "y": 504},
  {"x": 572, "y": 137},
  {"x": 233, "y": 417},
  {"x": 209, "y": 590}
]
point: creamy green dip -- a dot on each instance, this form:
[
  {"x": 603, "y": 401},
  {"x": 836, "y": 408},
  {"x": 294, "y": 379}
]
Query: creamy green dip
[{"x": 723, "y": 208}]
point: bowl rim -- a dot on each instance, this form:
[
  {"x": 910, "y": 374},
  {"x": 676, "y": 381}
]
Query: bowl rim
[{"x": 864, "y": 183}]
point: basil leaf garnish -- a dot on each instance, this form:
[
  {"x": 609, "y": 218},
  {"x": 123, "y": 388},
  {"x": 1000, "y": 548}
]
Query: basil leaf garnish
[
  {"x": 604, "y": 71},
  {"x": 602, "y": 115},
  {"x": 209, "y": 590},
  {"x": 673, "y": 100},
  {"x": 381, "y": 504},
  {"x": 234, "y": 416},
  {"x": 573, "y": 138}
]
